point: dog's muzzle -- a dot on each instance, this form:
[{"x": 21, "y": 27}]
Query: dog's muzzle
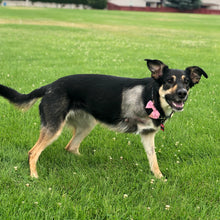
[{"x": 177, "y": 101}]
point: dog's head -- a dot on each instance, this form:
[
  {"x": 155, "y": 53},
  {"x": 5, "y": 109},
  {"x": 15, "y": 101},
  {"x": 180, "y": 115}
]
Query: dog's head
[{"x": 174, "y": 83}]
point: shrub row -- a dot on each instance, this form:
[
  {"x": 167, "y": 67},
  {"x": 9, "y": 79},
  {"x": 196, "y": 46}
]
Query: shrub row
[{"x": 98, "y": 4}]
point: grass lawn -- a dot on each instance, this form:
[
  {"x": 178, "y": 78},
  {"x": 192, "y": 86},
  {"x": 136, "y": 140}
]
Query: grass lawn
[{"x": 112, "y": 179}]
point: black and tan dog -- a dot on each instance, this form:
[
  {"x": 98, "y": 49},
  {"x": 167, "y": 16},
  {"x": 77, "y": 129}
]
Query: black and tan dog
[{"x": 123, "y": 104}]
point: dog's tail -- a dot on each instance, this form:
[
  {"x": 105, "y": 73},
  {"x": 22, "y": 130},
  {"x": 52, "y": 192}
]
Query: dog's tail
[{"x": 22, "y": 101}]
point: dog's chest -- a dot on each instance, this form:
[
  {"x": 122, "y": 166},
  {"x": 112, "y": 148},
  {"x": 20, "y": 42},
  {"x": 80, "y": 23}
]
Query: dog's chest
[{"x": 134, "y": 117}]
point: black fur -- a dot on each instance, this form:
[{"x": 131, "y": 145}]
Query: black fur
[
  {"x": 98, "y": 95},
  {"x": 17, "y": 98}
]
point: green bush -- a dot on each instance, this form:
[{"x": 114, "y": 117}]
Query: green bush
[
  {"x": 77, "y": 2},
  {"x": 98, "y": 4}
]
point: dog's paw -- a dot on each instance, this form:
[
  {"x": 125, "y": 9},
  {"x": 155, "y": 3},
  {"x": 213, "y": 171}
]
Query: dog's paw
[
  {"x": 76, "y": 152},
  {"x": 34, "y": 175},
  {"x": 158, "y": 175}
]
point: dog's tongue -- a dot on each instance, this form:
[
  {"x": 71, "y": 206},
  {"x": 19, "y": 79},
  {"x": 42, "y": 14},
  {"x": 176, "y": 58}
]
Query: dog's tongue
[{"x": 178, "y": 104}]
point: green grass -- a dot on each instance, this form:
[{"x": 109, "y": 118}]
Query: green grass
[{"x": 39, "y": 45}]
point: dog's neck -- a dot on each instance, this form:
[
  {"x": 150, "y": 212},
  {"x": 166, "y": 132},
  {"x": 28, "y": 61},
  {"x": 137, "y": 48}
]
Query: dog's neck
[
  {"x": 157, "y": 108},
  {"x": 166, "y": 107},
  {"x": 155, "y": 99}
]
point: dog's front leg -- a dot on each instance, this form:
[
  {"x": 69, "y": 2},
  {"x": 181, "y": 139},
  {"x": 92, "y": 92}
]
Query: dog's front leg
[{"x": 148, "y": 142}]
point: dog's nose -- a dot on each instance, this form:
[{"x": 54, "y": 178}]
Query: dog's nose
[{"x": 182, "y": 93}]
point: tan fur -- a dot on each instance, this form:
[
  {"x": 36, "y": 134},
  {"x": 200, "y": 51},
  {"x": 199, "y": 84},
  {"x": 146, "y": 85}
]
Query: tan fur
[
  {"x": 149, "y": 146},
  {"x": 195, "y": 77},
  {"x": 45, "y": 139},
  {"x": 163, "y": 92},
  {"x": 78, "y": 136},
  {"x": 68, "y": 146},
  {"x": 26, "y": 106},
  {"x": 174, "y": 78},
  {"x": 165, "y": 106}
]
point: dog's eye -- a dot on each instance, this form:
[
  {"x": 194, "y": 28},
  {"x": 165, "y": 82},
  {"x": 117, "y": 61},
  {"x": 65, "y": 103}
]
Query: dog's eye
[{"x": 171, "y": 80}]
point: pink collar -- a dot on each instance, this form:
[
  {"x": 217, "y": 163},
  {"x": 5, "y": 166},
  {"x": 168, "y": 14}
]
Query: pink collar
[{"x": 155, "y": 114}]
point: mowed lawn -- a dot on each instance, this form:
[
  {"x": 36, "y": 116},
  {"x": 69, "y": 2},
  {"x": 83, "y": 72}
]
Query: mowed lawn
[{"x": 112, "y": 179}]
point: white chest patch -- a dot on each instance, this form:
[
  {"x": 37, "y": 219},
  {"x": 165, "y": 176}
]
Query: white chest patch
[
  {"x": 133, "y": 112},
  {"x": 132, "y": 103}
]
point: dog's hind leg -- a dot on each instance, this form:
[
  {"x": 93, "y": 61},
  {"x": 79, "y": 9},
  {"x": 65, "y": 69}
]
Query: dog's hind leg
[
  {"x": 52, "y": 112},
  {"x": 46, "y": 138},
  {"x": 71, "y": 147},
  {"x": 83, "y": 125}
]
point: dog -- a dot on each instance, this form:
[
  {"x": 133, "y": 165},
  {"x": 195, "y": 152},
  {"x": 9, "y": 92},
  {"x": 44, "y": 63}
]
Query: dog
[{"x": 130, "y": 105}]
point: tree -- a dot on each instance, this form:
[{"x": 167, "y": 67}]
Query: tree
[{"x": 184, "y": 4}]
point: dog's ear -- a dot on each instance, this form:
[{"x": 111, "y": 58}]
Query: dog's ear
[
  {"x": 195, "y": 73},
  {"x": 156, "y": 67}
]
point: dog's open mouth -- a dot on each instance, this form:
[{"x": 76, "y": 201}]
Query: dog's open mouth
[{"x": 177, "y": 105}]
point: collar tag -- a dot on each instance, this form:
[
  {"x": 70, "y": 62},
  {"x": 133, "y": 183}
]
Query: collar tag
[
  {"x": 154, "y": 114},
  {"x": 162, "y": 127}
]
